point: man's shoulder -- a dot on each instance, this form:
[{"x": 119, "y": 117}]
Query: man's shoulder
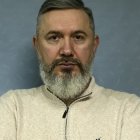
[
  {"x": 14, "y": 95},
  {"x": 118, "y": 96}
]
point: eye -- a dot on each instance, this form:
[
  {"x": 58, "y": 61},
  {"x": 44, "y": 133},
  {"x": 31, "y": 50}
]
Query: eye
[
  {"x": 79, "y": 38},
  {"x": 53, "y": 38}
]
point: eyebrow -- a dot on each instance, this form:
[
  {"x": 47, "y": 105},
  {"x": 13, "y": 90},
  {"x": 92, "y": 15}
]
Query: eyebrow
[
  {"x": 60, "y": 33},
  {"x": 80, "y": 32},
  {"x": 53, "y": 32}
]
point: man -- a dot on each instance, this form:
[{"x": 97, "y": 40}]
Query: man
[{"x": 70, "y": 105}]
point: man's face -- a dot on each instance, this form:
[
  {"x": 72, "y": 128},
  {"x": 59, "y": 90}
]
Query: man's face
[{"x": 66, "y": 40}]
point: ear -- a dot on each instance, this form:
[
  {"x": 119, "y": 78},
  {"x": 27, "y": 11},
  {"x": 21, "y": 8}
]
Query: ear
[
  {"x": 36, "y": 45},
  {"x": 96, "y": 43},
  {"x": 35, "y": 42}
]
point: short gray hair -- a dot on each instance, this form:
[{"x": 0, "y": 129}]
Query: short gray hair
[{"x": 50, "y": 5}]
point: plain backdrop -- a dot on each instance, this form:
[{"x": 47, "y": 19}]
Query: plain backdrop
[{"x": 117, "y": 62}]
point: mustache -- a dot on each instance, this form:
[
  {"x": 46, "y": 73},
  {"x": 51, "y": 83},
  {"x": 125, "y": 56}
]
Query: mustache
[{"x": 66, "y": 60}]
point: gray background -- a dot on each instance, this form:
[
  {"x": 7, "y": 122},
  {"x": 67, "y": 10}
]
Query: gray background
[{"x": 117, "y": 63}]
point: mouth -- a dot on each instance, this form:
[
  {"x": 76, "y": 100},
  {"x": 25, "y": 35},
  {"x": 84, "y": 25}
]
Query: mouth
[{"x": 67, "y": 65}]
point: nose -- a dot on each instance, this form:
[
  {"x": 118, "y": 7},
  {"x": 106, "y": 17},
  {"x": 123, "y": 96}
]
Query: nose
[{"x": 66, "y": 48}]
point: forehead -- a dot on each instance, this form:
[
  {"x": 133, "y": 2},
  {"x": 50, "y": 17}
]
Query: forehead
[{"x": 68, "y": 19}]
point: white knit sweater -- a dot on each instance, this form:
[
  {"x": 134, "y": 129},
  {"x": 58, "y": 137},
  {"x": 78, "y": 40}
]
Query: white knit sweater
[{"x": 100, "y": 114}]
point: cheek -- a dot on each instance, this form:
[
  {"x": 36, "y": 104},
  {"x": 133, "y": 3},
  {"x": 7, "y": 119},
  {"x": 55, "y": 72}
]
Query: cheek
[
  {"x": 48, "y": 54},
  {"x": 84, "y": 54}
]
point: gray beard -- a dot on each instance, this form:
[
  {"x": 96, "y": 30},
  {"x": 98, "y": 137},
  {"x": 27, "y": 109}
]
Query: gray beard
[{"x": 67, "y": 86}]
